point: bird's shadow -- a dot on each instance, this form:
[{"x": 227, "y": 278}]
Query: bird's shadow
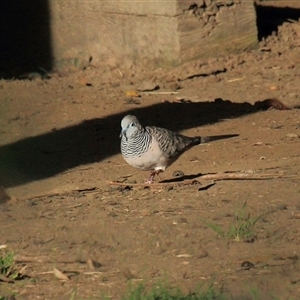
[
  {"x": 181, "y": 178},
  {"x": 50, "y": 153}
]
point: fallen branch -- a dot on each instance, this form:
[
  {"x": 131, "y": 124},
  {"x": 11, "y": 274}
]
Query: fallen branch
[
  {"x": 214, "y": 177},
  {"x": 6, "y": 279},
  {"x": 66, "y": 275},
  {"x": 44, "y": 259},
  {"x": 154, "y": 185},
  {"x": 239, "y": 176},
  {"x": 159, "y": 93}
]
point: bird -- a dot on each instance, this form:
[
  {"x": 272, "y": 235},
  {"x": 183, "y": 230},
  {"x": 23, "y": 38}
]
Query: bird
[{"x": 153, "y": 148}]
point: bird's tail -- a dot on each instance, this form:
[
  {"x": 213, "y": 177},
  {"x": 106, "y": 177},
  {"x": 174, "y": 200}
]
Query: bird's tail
[
  {"x": 197, "y": 140},
  {"x": 207, "y": 139}
]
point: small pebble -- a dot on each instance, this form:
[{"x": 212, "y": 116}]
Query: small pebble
[
  {"x": 182, "y": 220},
  {"x": 275, "y": 126},
  {"x": 178, "y": 173},
  {"x": 131, "y": 181},
  {"x": 282, "y": 207},
  {"x": 247, "y": 265},
  {"x": 292, "y": 135},
  {"x": 202, "y": 253}
]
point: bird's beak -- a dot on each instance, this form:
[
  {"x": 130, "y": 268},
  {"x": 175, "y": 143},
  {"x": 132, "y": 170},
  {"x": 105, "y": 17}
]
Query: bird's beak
[{"x": 123, "y": 132}]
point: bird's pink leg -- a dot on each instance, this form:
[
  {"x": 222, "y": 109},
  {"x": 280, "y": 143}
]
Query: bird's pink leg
[{"x": 152, "y": 175}]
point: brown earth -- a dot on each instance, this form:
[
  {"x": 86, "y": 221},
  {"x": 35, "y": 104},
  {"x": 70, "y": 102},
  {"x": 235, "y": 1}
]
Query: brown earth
[{"x": 60, "y": 147}]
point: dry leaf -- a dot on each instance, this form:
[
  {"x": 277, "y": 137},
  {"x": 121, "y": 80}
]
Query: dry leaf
[
  {"x": 132, "y": 94},
  {"x": 184, "y": 255},
  {"x": 60, "y": 275},
  {"x": 273, "y": 88},
  {"x": 82, "y": 81},
  {"x": 90, "y": 264}
]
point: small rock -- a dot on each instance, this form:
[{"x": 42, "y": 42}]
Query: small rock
[
  {"x": 132, "y": 101},
  {"x": 3, "y": 195},
  {"x": 146, "y": 213},
  {"x": 147, "y": 86},
  {"x": 275, "y": 126},
  {"x": 225, "y": 201},
  {"x": 174, "y": 86},
  {"x": 202, "y": 253},
  {"x": 182, "y": 220},
  {"x": 292, "y": 135},
  {"x": 194, "y": 158},
  {"x": 250, "y": 171},
  {"x": 114, "y": 188},
  {"x": 178, "y": 173},
  {"x": 131, "y": 181},
  {"x": 128, "y": 274},
  {"x": 247, "y": 265},
  {"x": 125, "y": 188},
  {"x": 282, "y": 207}
]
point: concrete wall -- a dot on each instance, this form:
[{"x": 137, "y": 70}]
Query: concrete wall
[{"x": 155, "y": 33}]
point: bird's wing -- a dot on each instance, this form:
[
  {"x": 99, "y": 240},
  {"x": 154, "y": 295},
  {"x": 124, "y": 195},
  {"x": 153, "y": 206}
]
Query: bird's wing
[{"x": 172, "y": 144}]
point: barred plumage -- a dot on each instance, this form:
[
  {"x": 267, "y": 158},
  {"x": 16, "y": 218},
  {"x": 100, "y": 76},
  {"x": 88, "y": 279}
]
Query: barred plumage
[
  {"x": 135, "y": 146},
  {"x": 152, "y": 148}
]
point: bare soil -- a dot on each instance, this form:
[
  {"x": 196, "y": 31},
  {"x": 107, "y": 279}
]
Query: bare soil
[{"x": 60, "y": 148}]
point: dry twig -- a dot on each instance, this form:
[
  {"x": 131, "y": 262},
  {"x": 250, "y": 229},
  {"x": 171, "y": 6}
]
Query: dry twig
[
  {"x": 215, "y": 177},
  {"x": 44, "y": 259}
]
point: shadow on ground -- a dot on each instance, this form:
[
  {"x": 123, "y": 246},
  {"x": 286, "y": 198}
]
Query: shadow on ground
[{"x": 94, "y": 140}]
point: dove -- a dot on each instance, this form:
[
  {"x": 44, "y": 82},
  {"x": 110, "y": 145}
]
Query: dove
[{"x": 153, "y": 148}]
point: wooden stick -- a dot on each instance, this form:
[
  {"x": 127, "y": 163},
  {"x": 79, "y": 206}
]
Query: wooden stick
[
  {"x": 43, "y": 259},
  {"x": 238, "y": 176},
  {"x": 154, "y": 185},
  {"x": 6, "y": 279},
  {"x": 217, "y": 176},
  {"x": 159, "y": 93}
]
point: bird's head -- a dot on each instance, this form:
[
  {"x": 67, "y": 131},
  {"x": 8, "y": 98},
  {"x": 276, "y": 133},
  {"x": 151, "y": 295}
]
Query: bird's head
[{"x": 130, "y": 126}]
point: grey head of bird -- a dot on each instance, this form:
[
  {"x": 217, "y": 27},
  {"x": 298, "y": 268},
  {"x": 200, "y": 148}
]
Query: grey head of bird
[{"x": 131, "y": 127}]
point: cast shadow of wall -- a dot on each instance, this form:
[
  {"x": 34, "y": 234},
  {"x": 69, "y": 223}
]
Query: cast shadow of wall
[
  {"x": 25, "y": 44},
  {"x": 46, "y": 155},
  {"x": 269, "y": 18}
]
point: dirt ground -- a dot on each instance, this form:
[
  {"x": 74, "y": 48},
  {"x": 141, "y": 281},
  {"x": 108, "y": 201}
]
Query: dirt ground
[{"x": 60, "y": 148}]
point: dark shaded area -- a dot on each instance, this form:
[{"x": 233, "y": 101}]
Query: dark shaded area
[
  {"x": 4, "y": 197},
  {"x": 25, "y": 44},
  {"x": 181, "y": 178},
  {"x": 269, "y": 18},
  {"x": 95, "y": 140}
]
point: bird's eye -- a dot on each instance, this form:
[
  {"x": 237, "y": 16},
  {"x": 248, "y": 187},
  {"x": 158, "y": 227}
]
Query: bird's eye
[{"x": 132, "y": 124}]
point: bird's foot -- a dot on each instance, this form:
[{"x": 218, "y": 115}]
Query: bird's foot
[
  {"x": 149, "y": 181},
  {"x": 152, "y": 175},
  {"x": 151, "y": 178}
]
